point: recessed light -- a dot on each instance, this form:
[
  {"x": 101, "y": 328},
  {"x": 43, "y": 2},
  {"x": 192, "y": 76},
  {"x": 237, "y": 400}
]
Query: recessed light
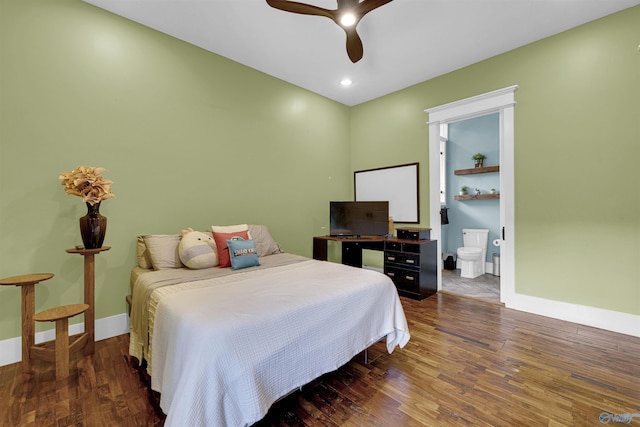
[{"x": 346, "y": 82}]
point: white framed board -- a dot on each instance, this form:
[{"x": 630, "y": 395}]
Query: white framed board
[{"x": 396, "y": 184}]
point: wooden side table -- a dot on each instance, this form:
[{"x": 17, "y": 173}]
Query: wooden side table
[
  {"x": 27, "y": 282},
  {"x": 89, "y": 293},
  {"x": 62, "y": 349}
]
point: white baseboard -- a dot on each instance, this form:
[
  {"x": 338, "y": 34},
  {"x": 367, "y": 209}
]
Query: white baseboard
[
  {"x": 609, "y": 320},
  {"x": 11, "y": 349},
  {"x": 615, "y": 321},
  {"x": 488, "y": 268}
]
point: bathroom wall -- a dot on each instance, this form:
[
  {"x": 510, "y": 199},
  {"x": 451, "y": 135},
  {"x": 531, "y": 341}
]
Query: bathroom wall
[{"x": 466, "y": 138}]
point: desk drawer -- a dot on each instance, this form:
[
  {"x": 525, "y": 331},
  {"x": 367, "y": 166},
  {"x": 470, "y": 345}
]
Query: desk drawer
[
  {"x": 402, "y": 258},
  {"x": 404, "y": 279},
  {"x": 393, "y": 246},
  {"x": 403, "y": 247}
]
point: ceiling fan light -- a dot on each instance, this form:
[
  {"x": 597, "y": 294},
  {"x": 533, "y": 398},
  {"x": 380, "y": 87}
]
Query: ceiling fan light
[{"x": 348, "y": 19}]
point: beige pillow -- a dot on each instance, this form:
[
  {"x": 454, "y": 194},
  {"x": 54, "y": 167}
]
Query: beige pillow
[
  {"x": 163, "y": 250},
  {"x": 144, "y": 260},
  {"x": 264, "y": 242}
]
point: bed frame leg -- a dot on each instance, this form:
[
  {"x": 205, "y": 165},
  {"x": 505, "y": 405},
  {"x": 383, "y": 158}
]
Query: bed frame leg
[{"x": 365, "y": 355}]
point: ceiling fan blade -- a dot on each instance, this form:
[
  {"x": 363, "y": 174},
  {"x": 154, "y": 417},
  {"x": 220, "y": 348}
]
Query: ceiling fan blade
[
  {"x": 368, "y": 5},
  {"x": 302, "y": 8},
  {"x": 347, "y": 4},
  {"x": 359, "y": 8},
  {"x": 354, "y": 45}
]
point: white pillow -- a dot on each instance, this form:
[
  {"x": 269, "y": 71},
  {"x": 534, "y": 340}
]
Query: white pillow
[{"x": 229, "y": 228}]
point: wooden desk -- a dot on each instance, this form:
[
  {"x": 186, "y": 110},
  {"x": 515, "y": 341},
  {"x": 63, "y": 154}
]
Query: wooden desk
[
  {"x": 27, "y": 282},
  {"x": 411, "y": 264},
  {"x": 89, "y": 293},
  {"x": 351, "y": 247}
]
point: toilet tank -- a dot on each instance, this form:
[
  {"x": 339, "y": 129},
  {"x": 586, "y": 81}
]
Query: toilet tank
[{"x": 475, "y": 237}]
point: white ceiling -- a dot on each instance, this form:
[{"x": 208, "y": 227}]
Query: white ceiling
[{"x": 405, "y": 41}]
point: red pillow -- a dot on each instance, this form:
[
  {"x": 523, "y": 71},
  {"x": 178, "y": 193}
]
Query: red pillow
[{"x": 223, "y": 249}]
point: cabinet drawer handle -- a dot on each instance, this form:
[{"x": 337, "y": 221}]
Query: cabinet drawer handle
[
  {"x": 410, "y": 261},
  {"x": 391, "y": 258},
  {"x": 390, "y": 274},
  {"x": 409, "y": 278}
]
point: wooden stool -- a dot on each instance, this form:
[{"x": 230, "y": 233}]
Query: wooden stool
[
  {"x": 27, "y": 282},
  {"x": 61, "y": 316}
]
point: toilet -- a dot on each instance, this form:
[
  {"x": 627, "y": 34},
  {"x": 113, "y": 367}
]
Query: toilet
[{"x": 474, "y": 253}]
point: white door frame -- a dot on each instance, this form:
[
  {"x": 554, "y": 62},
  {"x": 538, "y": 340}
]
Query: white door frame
[{"x": 501, "y": 101}]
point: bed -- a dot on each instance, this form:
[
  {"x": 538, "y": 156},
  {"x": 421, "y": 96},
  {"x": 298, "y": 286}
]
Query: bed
[{"x": 222, "y": 345}]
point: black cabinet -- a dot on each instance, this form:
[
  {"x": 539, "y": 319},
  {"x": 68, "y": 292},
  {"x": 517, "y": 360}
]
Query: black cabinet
[{"x": 412, "y": 265}]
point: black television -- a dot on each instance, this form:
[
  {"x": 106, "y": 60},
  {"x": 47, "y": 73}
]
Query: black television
[{"x": 359, "y": 218}]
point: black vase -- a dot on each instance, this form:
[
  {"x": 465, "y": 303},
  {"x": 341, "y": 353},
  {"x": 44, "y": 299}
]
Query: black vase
[{"x": 93, "y": 227}]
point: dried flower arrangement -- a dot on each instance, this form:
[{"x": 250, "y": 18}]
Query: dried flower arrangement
[{"x": 88, "y": 183}]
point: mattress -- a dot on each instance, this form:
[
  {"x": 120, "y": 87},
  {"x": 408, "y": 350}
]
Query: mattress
[{"x": 223, "y": 346}]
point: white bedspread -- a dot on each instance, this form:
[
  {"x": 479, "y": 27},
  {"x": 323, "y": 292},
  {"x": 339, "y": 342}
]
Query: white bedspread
[{"x": 225, "y": 349}]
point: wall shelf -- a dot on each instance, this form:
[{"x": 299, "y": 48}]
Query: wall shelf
[
  {"x": 477, "y": 170},
  {"x": 478, "y": 197}
]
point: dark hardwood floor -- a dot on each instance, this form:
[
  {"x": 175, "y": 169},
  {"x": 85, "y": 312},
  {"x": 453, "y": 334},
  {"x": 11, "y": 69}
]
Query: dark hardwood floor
[{"x": 468, "y": 363}]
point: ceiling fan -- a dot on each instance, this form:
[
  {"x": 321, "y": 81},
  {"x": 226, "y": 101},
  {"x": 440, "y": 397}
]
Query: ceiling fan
[{"x": 347, "y": 15}]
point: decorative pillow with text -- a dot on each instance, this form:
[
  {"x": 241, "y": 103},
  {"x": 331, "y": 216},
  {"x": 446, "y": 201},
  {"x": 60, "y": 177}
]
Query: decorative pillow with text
[{"x": 243, "y": 253}]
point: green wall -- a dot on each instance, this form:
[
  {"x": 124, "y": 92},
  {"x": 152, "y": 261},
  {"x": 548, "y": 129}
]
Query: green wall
[
  {"x": 577, "y": 141},
  {"x": 189, "y": 138},
  {"x": 193, "y": 139}
]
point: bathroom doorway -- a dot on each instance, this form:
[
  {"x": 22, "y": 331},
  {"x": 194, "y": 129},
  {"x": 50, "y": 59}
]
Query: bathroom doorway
[
  {"x": 501, "y": 102},
  {"x": 477, "y": 207}
]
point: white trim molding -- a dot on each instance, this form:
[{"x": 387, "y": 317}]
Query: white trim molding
[
  {"x": 503, "y": 102},
  {"x": 472, "y": 107},
  {"x": 11, "y": 349},
  {"x": 609, "y": 320}
]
